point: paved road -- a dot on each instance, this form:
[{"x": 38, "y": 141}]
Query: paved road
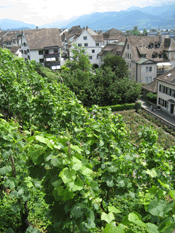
[{"x": 161, "y": 113}]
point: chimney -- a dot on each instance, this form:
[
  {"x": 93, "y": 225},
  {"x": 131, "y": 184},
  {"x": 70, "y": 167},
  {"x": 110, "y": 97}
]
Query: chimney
[
  {"x": 86, "y": 27},
  {"x": 36, "y": 27}
]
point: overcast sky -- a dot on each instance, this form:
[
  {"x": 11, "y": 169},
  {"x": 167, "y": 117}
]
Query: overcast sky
[{"x": 40, "y": 12}]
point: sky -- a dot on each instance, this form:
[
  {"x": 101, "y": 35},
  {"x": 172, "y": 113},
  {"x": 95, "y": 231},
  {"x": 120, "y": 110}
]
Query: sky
[{"x": 40, "y": 12}]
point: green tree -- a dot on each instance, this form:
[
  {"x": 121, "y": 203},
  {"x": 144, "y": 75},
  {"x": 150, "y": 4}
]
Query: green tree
[
  {"x": 117, "y": 64},
  {"x": 79, "y": 59}
]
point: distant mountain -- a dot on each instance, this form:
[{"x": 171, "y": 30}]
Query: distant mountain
[
  {"x": 147, "y": 17},
  {"x": 162, "y": 17},
  {"x": 59, "y": 23},
  {"x": 122, "y": 20},
  {"x": 6, "y": 24}
]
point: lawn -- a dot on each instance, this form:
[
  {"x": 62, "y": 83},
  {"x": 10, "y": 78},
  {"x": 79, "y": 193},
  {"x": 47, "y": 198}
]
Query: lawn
[{"x": 134, "y": 121}]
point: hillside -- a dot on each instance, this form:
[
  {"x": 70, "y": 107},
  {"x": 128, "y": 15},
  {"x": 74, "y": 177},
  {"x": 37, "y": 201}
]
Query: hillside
[{"x": 6, "y": 24}]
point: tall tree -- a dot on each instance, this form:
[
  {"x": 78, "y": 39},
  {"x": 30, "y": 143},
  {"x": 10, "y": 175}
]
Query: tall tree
[{"x": 117, "y": 64}]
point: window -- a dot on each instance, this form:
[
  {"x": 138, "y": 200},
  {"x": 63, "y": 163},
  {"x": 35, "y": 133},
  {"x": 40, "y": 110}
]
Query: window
[
  {"x": 146, "y": 79},
  {"x": 127, "y": 46},
  {"x": 85, "y": 44},
  {"x": 22, "y": 51},
  {"x": 24, "y": 44},
  {"x": 25, "y": 52},
  {"x": 29, "y": 57},
  {"x": 55, "y": 50},
  {"x": 125, "y": 55},
  {"x": 160, "y": 88},
  {"x": 130, "y": 56},
  {"x": 40, "y": 52},
  {"x": 84, "y": 37},
  {"x": 93, "y": 50},
  {"x": 148, "y": 68},
  {"x": 41, "y": 60},
  {"x": 79, "y": 45},
  {"x": 28, "y": 50},
  {"x": 97, "y": 44},
  {"x": 150, "y": 79},
  {"x": 90, "y": 57},
  {"x": 46, "y": 51}
]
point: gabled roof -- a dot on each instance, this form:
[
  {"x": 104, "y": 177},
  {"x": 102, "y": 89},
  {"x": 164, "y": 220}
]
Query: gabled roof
[
  {"x": 74, "y": 31},
  {"x": 98, "y": 38},
  {"x": 151, "y": 87},
  {"x": 140, "y": 45},
  {"x": 113, "y": 34},
  {"x": 14, "y": 49},
  {"x": 41, "y": 38},
  {"x": 168, "y": 77},
  {"x": 114, "y": 49},
  {"x": 10, "y": 35}
]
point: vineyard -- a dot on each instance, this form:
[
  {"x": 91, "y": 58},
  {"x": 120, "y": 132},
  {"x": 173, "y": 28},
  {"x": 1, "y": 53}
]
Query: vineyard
[
  {"x": 135, "y": 122},
  {"x": 64, "y": 169}
]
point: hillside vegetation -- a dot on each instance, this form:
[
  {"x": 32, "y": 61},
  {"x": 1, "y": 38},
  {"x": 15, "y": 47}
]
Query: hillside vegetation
[{"x": 63, "y": 169}]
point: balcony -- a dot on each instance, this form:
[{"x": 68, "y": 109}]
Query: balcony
[
  {"x": 52, "y": 63},
  {"x": 50, "y": 55}
]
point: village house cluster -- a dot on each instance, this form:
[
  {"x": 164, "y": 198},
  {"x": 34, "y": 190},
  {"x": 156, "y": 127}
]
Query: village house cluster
[{"x": 150, "y": 59}]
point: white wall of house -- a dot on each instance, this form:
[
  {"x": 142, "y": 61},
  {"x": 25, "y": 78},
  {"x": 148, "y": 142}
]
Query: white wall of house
[
  {"x": 171, "y": 57},
  {"x": 146, "y": 72},
  {"x": 92, "y": 47},
  {"x": 35, "y": 54},
  {"x": 167, "y": 106},
  {"x": 18, "y": 53}
]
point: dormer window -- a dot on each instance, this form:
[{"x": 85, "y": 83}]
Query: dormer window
[
  {"x": 150, "y": 46},
  {"x": 157, "y": 45},
  {"x": 154, "y": 55}
]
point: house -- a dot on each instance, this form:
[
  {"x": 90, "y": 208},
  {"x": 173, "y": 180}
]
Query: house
[
  {"x": 113, "y": 36},
  {"x": 93, "y": 43},
  {"x": 150, "y": 87},
  {"x": 11, "y": 38},
  {"x": 145, "y": 55},
  {"x": 68, "y": 36},
  {"x": 16, "y": 50},
  {"x": 114, "y": 49},
  {"x": 42, "y": 45},
  {"x": 166, "y": 92},
  {"x": 2, "y": 33}
]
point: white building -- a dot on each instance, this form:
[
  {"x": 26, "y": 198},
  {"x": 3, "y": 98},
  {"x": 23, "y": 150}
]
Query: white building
[
  {"x": 43, "y": 46},
  {"x": 147, "y": 57},
  {"x": 166, "y": 92},
  {"x": 93, "y": 43}
]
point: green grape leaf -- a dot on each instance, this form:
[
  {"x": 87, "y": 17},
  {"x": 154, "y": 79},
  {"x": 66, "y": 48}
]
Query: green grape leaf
[
  {"x": 67, "y": 175},
  {"x": 113, "y": 209},
  {"x": 172, "y": 194},
  {"x": 77, "y": 164},
  {"x": 132, "y": 217},
  {"x": 152, "y": 228},
  {"x": 107, "y": 217},
  {"x": 5, "y": 170},
  {"x": 76, "y": 185},
  {"x": 152, "y": 173}
]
